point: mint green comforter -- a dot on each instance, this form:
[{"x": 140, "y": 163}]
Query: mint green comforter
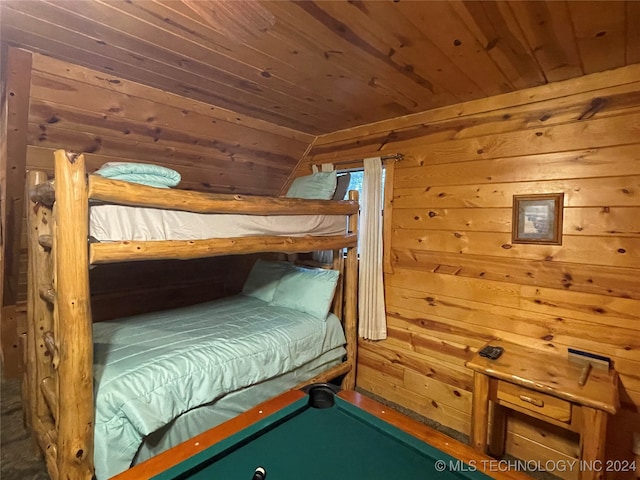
[{"x": 151, "y": 368}]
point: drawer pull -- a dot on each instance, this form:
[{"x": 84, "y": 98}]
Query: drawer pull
[{"x": 533, "y": 401}]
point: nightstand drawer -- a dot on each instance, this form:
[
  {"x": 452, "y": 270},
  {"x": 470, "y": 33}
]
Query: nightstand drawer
[{"x": 534, "y": 401}]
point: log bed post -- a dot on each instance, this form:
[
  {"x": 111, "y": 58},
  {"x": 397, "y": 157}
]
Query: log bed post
[
  {"x": 73, "y": 319},
  {"x": 34, "y": 276},
  {"x": 351, "y": 302},
  {"x": 39, "y": 370}
]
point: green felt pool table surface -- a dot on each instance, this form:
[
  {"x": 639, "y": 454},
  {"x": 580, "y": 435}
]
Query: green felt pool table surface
[{"x": 293, "y": 440}]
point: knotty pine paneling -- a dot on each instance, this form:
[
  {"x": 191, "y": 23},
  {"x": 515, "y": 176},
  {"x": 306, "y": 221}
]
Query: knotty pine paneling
[
  {"x": 55, "y": 104},
  {"x": 216, "y": 150},
  {"x": 596, "y": 27},
  {"x": 15, "y": 68},
  {"x": 326, "y": 65},
  {"x": 538, "y": 106},
  {"x": 455, "y": 280},
  {"x": 139, "y": 287},
  {"x": 545, "y": 27}
]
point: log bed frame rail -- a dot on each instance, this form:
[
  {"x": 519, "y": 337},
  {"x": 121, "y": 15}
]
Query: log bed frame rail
[{"x": 58, "y": 400}]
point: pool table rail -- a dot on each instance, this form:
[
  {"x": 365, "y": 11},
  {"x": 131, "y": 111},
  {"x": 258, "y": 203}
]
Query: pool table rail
[
  {"x": 429, "y": 435},
  {"x": 164, "y": 461}
]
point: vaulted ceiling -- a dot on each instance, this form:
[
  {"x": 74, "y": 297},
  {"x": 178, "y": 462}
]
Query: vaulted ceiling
[{"x": 322, "y": 66}]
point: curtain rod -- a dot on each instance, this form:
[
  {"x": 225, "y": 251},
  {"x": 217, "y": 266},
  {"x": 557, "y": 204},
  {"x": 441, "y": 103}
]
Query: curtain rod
[{"x": 394, "y": 156}]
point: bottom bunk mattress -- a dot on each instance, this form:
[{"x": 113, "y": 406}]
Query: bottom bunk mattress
[
  {"x": 150, "y": 369},
  {"x": 200, "y": 419}
]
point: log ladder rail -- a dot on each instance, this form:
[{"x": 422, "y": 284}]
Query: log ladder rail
[{"x": 58, "y": 384}]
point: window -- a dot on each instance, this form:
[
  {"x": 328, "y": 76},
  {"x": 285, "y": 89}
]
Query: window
[{"x": 356, "y": 181}]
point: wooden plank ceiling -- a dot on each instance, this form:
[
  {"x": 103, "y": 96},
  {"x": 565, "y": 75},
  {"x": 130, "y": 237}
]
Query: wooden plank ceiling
[{"x": 318, "y": 67}]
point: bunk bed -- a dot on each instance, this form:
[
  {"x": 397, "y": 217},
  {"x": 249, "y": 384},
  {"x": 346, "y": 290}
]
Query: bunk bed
[{"x": 68, "y": 358}]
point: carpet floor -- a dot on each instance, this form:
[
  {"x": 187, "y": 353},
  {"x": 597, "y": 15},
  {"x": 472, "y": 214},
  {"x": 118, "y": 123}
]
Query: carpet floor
[{"x": 17, "y": 447}]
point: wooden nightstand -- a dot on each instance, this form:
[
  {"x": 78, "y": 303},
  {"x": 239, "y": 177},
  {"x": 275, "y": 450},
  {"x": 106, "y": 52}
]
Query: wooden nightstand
[{"x": 546, "y": 387}]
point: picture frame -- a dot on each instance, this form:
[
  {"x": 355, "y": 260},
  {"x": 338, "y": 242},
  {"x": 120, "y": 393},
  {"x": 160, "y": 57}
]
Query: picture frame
[{"x": 537, "y": 219}]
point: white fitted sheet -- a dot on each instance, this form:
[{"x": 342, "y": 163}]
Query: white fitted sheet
[{"x": 119, "y": 223}]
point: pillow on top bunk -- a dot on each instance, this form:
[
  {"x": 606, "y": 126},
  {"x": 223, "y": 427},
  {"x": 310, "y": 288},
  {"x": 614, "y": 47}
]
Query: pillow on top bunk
[
  {"x": 263, "y": 279},
  {"x": 319, "y": 186},
  {"x": 308, "y": 290}
]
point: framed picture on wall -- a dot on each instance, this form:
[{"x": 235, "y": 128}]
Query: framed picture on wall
[{"x": 537, "y": 219}]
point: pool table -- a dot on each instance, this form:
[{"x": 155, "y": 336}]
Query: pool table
[{"x": 319, "y": 435}]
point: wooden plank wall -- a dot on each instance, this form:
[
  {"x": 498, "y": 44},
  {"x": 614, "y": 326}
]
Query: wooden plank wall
[
  {"x": 15, "y": 69},
  {"x": 214, "y": 149},
  {"x": 455, "y": 280}
]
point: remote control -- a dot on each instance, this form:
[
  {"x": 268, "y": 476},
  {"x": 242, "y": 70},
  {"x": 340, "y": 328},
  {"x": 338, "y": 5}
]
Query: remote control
[{"x": 491, "y": 352}]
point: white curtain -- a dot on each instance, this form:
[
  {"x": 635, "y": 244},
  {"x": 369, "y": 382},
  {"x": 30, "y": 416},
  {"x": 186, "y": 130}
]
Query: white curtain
[
  {"x": 372, "y": 318},
  {"x": 324, "y": 256}
]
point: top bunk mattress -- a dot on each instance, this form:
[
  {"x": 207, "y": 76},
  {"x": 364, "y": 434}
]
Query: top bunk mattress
[{"x": 121, "y": 223}]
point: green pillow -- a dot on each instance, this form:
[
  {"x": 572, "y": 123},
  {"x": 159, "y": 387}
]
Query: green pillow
[
  {"x": 263, "y": 279},
  {"x": 308, "y": 290},
  {"x": 319, "y": 186}
]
